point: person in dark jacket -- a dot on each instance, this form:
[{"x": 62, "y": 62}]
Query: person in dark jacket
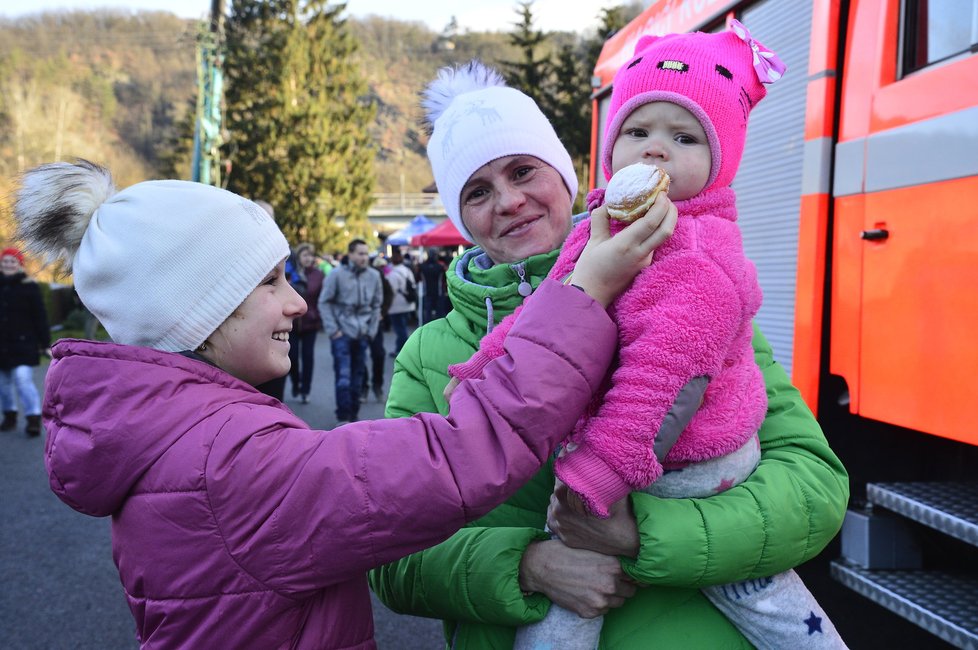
[
  {"x": 308, "y": 283},
  {"x": 24, "y": 335},
  {"x": 434, "y": 298}
]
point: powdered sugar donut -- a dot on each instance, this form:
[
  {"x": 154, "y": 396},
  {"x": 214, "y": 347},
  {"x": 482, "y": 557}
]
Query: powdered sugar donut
[{"x": 632, "y": 191}]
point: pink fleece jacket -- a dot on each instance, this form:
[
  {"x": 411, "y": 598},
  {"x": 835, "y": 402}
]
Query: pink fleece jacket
[{"x": 687, "y": 315}]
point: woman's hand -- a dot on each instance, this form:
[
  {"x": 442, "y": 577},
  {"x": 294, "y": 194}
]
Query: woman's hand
[
  {"x": 588, "y": 584},
  {"x": 571, "y": 499},
  {"x": 616, "y": 535},
  {"x": 608, "y": 264},
  {"x": 575, "y": 503}
]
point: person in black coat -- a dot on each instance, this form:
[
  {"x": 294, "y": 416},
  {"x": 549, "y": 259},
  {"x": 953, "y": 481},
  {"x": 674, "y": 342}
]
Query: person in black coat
[
  {"x": 307, "y": 280},
  {"x": 435, "y": 287},
  {"x": 24, "y": 335}
]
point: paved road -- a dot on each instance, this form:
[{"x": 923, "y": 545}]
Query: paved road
[{"x": 58, "y": 586}]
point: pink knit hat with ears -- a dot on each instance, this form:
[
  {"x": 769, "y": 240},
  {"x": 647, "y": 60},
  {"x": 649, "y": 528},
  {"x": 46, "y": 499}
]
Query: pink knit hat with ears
[{"x": 716, "y": 77}]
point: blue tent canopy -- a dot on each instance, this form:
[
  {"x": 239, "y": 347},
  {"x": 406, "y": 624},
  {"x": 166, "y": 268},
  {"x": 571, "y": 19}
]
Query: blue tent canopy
[{"x": 418, "y": 226}]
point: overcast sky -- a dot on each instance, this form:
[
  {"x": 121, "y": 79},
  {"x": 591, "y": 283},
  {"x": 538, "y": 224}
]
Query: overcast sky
[{"x": 479, "y": 15}]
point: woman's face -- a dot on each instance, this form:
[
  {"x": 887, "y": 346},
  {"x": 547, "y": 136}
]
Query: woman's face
[
  {"x": 515, "y": 207},
  {"x": 306, "y": 258},
  {"x": 9, "y": 265},
  {"x": 253, "y": 343}
]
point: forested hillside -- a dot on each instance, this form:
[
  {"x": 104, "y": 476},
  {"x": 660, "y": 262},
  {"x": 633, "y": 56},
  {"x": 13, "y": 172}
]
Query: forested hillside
[
  {"x": 106, "y": 85},
  {"x": 120, "y": 88}
]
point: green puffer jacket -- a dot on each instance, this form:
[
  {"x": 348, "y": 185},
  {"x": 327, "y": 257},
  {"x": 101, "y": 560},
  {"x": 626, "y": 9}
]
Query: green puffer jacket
[{"x": 780, "y": 517}]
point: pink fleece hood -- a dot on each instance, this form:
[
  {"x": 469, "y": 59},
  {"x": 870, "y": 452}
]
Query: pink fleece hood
[{"x": 717, "y": 77}]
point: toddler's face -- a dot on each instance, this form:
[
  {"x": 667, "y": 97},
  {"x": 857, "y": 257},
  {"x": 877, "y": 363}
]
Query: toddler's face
[
  {"x": 669, "y": 136},
  {"x": 253, "y": 343}
]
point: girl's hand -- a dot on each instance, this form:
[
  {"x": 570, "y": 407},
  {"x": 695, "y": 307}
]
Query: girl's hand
[
  {"x": 608, "y": 264},
  {"x": 589, "y": 584},
  {"x": 616, "y": 535}
]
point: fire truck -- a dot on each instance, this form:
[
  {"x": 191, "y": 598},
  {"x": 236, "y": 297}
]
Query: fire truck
[{"x": 858, "y": 203}]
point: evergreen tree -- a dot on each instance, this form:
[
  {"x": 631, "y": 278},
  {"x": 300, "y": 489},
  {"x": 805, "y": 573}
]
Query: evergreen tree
[
  {"x": 562, "y": 88},
  {"x": 530, "y": 74},
  {"x": 175, "y": 151},
  {"x": 612, "y": 19},
  {"x": 569, "y": 96},
  {"x": 298, "y": 118}
]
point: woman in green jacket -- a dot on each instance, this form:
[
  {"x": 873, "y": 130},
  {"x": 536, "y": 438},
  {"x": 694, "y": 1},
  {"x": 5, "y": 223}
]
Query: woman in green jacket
[{"x": 497, "y": 177}]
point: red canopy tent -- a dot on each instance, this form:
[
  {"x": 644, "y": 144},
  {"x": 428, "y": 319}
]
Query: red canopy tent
[{"x": 444, "y": 234}]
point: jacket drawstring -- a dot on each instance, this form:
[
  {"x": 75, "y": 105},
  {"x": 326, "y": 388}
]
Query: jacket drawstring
[
  {"x": 525, "y": 288},
  {"x": 489, "y": 320}
]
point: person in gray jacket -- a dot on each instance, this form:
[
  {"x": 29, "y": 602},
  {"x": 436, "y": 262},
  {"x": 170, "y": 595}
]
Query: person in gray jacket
[{"x": 350, "y": 309}]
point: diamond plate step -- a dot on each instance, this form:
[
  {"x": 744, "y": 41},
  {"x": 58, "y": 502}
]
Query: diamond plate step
[
  {"x": 942, "y": 603},
  {"x": 951, "y": 508}
]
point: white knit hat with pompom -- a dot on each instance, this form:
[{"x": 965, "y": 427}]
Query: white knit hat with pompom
[
  {"x": 161, "y": 264},
  {"x": 475, "y": 119}
]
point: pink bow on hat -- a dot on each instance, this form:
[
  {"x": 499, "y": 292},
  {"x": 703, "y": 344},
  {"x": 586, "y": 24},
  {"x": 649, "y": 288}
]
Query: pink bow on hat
[{"x": 767, "y": 65}]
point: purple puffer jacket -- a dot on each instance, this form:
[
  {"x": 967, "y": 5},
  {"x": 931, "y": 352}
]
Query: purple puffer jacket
[{"x": 234, "y": 525}]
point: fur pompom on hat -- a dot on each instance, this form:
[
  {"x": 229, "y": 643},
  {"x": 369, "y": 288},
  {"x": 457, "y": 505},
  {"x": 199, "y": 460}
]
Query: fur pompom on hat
[
  {"x": 161, "y": 264},
  {"x": 476, "y": 119},
  {"x": 716, "y": 77}
]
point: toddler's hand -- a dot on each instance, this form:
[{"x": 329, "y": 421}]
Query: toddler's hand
[{"x": 608, "y": 264}]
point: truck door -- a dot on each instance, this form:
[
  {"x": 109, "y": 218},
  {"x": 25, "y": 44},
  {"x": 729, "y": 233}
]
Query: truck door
[{"x": 905, "y": 247}]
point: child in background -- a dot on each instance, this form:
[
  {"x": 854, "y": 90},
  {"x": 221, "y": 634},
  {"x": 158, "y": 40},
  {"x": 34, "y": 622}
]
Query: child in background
[
  {"x": 235, "y": 525},
  {"x": 24, "y": 336},
  {"x": 681, "y": 103}
]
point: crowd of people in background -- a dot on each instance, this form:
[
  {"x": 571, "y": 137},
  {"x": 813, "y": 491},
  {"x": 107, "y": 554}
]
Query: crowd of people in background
[
  {"x": 362, "y": 296},
  {"x": 412, "y": 291}
]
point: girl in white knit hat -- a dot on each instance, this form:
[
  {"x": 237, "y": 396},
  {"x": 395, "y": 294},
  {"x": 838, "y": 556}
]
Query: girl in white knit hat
[{"x": 234, "y": 524}]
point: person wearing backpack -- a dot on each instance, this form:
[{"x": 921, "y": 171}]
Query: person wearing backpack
[{"x": 405, "y": 299}]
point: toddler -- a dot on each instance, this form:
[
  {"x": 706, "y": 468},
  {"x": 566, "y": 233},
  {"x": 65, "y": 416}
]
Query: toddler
[{"x": 681, "y": 103}]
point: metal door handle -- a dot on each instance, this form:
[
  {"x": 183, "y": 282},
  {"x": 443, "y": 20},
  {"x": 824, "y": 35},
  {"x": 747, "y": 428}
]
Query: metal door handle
[{"x": 876, "y": 234}]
